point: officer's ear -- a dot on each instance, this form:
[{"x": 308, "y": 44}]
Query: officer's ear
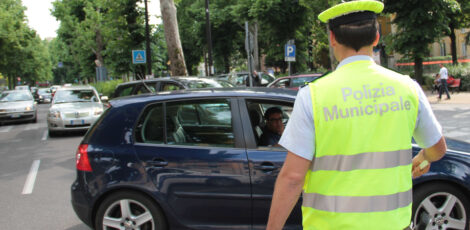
[
  {"x": 333, "y": 39},
  {"x": 377, "y": 38}
]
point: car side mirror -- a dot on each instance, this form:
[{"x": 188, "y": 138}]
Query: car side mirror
[{"x": 104, "y": 98}]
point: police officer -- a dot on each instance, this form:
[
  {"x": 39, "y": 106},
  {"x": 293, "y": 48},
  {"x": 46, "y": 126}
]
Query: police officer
[{"x": 349, "y": 136}]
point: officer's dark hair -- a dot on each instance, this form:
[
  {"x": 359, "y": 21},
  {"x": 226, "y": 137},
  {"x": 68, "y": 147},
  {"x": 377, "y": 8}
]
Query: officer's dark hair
[
  {"x": 271, "y": 111},
  {"x": 355, "y": 34}
]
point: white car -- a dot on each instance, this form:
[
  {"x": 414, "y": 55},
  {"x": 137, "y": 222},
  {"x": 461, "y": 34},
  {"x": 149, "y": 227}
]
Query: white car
[
  {"x": 74, "y": 108},
  {"x": 17, "y": 105}
]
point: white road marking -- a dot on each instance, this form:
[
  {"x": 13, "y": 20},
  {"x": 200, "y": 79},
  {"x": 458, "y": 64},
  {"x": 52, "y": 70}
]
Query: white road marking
[
  {"x": 6, "y": 129},
  {"x": 29, "y": 184},
  {"x": 44, "y": 136}
]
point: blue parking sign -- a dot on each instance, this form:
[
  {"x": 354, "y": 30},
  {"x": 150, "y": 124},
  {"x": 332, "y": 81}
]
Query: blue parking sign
[
  {"x": 289, "y": 52},
  {"x": 138, "y": 57}
]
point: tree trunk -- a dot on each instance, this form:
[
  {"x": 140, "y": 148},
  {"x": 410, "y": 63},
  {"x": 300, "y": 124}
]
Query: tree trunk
[
  {"x": 226, "y": 63},
  {"x": 172, "y": 37},
  {"x": 419, "y": 70},
  {"x": 453, "y": 45},
  {"x": 99, "y": 48}
]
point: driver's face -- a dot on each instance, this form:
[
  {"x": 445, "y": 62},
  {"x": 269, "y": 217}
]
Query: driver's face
[{"x": 274, "y": 123}]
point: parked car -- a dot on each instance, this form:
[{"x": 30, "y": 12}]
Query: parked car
[
  {"x": 54, "y": 88},
  {"x": 293, "y": 82},
  {"x": 17, "y": 105},
  {"x": 190, "y": 160},
  {"x": 44, "y": 95},
  {"x": 74, "y": 108},
  {"x": 240, "y": 78},
  {"x": 167, "y": 84}
]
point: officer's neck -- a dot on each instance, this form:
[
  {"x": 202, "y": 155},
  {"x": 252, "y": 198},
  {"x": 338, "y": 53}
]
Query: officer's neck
[{"x": 343, "y": 52}]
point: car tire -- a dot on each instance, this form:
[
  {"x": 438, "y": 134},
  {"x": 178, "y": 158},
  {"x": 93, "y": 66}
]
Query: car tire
[
  {"x": 52, "y": 133},
  {"x": 440, "y": 206},
  {"x": 138, "y": 207}
]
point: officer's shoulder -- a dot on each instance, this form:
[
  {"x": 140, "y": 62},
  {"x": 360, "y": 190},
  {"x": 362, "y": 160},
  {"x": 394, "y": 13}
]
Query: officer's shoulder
[{"x": 316, "y": 78}]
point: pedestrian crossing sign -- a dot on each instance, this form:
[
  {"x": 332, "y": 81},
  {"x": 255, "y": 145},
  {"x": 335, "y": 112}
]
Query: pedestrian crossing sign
[{"x": 138, "y": 57}]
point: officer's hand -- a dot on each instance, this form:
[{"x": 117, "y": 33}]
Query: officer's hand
[{"x": 416, "y": 170}]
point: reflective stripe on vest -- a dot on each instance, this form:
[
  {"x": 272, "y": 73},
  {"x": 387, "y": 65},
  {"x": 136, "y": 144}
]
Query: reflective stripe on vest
[
  {"x": 357, "y": 203},
  {"x": 360, "y": 177}
]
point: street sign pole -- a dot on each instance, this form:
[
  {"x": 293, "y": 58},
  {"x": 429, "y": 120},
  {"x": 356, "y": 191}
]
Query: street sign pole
[
  {"x": 289, "y": 50},
  {"x": 249, "y": 50}
]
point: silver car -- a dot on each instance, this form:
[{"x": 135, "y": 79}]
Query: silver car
[
  {"x": 74, "y": 108},
  {"x": 17, "y": 105}
]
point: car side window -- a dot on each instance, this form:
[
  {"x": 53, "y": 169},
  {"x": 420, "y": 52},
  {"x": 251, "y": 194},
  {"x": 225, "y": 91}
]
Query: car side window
[
  {"x": 268, "y": 131},
  {"x": 200, "y": 123},
  {"x": 125, "y": 91},
  {"x": 151, "y": 127},
  {"x": 194, "y": 123},
  {"x": 170, "y": 87},
  {"x": 142, "y": 89},
  {"x": 283, "y": 83}
]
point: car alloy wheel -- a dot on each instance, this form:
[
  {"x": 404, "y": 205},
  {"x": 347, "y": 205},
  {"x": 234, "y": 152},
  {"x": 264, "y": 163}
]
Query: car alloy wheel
[
  {"x": 126, "y": 210},
  {"x": 439, "y": 206}
]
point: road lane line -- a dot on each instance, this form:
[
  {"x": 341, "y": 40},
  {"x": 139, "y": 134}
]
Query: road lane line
[
  {"x": 6, "y": 129},
  {"x": 33, "y": 172},
  {"x": 44, "y": 137}
]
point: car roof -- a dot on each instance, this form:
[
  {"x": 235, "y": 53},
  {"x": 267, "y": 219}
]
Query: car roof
[
  {"x": 84, "y": 87},
  {"x": 16, "y": 91},
  {"x": 179, "y": 78},
  {"x": 254, "y": 92},
  {"x": 302, "y": 75}
]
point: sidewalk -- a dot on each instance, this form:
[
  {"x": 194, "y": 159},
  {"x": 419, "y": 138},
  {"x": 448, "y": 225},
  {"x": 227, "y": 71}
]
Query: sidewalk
[{"x": 456, "y": 98}]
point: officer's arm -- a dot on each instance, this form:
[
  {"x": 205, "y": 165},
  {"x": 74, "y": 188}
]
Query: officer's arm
[
  {"x": 287, "y": 190},
  {"x": 431, "y": 154}
]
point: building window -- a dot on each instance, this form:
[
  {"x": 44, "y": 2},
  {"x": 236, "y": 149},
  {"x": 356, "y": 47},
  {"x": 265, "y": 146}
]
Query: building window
[
  {"x": 464, "y": 49},
  {"x": 443, "y": 48}
]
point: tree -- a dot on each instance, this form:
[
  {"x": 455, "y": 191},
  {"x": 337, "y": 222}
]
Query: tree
[
  {"x": 22, "y": 53},
  {"x": 459, "y": 14},
  {"x": 173, "y": 42},
  {"x": 420, "y": 23}
]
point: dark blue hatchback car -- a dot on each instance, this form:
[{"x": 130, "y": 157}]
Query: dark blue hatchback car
[{"x": 191, "y": 160}]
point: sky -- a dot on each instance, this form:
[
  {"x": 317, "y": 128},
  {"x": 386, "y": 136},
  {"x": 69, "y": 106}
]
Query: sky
[{"x": 39, "y": 16}]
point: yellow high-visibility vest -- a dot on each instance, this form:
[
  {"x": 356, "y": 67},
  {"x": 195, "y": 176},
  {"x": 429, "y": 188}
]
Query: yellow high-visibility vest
[{"x": 360, "y": 177}]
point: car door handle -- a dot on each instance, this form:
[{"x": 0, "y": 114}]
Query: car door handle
[
  {"x": 267, "y": 167},
  {"x": 157, "y": 163}
]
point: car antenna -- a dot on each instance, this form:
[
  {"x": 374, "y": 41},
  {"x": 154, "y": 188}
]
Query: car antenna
[{"x": 146, "y": 86}]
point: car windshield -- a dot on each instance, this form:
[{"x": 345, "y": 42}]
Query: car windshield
[
  {"x": 15, "y": 96},
  {"x": 69, "y": 96},
  {"x": 204, "y": 83}
]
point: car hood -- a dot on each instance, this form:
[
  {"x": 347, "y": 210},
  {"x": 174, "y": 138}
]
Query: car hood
[
  {"x": 15, "y": 104},
  {"x": 76, "y": 106}
]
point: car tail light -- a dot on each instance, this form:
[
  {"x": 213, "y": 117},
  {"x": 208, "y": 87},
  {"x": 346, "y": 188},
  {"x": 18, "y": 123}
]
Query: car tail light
[{"x": 83, "y": 164}]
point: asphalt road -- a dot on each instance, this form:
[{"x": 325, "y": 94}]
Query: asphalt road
[{"x": 44, "y": 203}]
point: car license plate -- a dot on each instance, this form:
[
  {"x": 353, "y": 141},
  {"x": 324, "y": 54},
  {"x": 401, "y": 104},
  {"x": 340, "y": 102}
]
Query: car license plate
[
  {"x": 15, "y": 116},
  {"x": 77, "y": 122}
]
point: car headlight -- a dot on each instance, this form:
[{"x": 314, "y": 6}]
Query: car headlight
[
  {"x": 98, "y": 111},
  {"x": 28, "y": 108},
  {"x": 40, "y": 97},
  {"x": 54, "y": 114}
]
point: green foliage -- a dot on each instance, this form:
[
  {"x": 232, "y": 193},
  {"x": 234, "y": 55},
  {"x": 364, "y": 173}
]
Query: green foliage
[
  {"x": 106, "y": 88},
  {"x": 461, "y": 71},
  {"x": 22, "y": 53},
  {"x": 278, "y": 21},
  {"x": 420, "y": 23},
  {"x": 106, "y": 31}
]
